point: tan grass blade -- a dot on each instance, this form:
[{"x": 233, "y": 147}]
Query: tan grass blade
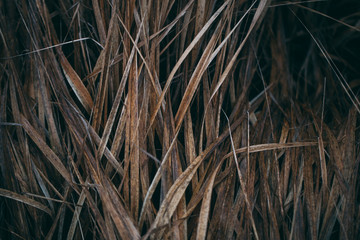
[
  {"x": 183, "y": 57},
  {"x": 270, "y": 146},
  {"x": 205, "y": 207},
  {"x": 76, "y": 216},
  {"x": 75, "y": 82},
  {"x": 177, "y": 190}
]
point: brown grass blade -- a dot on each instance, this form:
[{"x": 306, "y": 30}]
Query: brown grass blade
[
  {"x": 205, "y": 207},
  {"x": 134, "y": 147},
  {"x": 178, "y": 188},
  {"x": 322, "y": 154},
  {"x": 99, "y": 21},
  {"x": 49, "y": 154},
  {"x": 75, "y": 82},
  {"x": 23, "y": 199},
  {"x": 101, "y": 95},
  {"x": 116, "y": 103},
  {"x": 270, "y": 146},
  {"x": 183, "y": 57},
  {"x": 76, "y": 216}
]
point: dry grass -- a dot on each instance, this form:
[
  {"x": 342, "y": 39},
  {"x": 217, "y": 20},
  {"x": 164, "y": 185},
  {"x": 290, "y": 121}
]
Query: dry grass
[{"x": 179, "y": 119}]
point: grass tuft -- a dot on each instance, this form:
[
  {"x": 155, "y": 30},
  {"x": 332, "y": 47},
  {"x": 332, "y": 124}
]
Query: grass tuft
[{"x": 179, "y": 119}]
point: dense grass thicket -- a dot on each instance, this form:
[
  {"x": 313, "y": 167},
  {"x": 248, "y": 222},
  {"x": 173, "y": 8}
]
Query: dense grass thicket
[{"x": 179, "y": 119}]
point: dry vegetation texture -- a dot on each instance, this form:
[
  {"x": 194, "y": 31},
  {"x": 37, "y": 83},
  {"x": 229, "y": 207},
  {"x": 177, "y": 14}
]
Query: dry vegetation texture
[{"x": 179, "y": 119}]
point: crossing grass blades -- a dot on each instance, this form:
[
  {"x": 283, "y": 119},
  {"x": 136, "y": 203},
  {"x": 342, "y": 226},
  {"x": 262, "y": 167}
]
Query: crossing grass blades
[{"x": 179, "y": 119}]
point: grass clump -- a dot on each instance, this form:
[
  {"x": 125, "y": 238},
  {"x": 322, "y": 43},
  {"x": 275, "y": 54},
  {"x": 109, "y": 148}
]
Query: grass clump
[{"x": 179, "y": 119}]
